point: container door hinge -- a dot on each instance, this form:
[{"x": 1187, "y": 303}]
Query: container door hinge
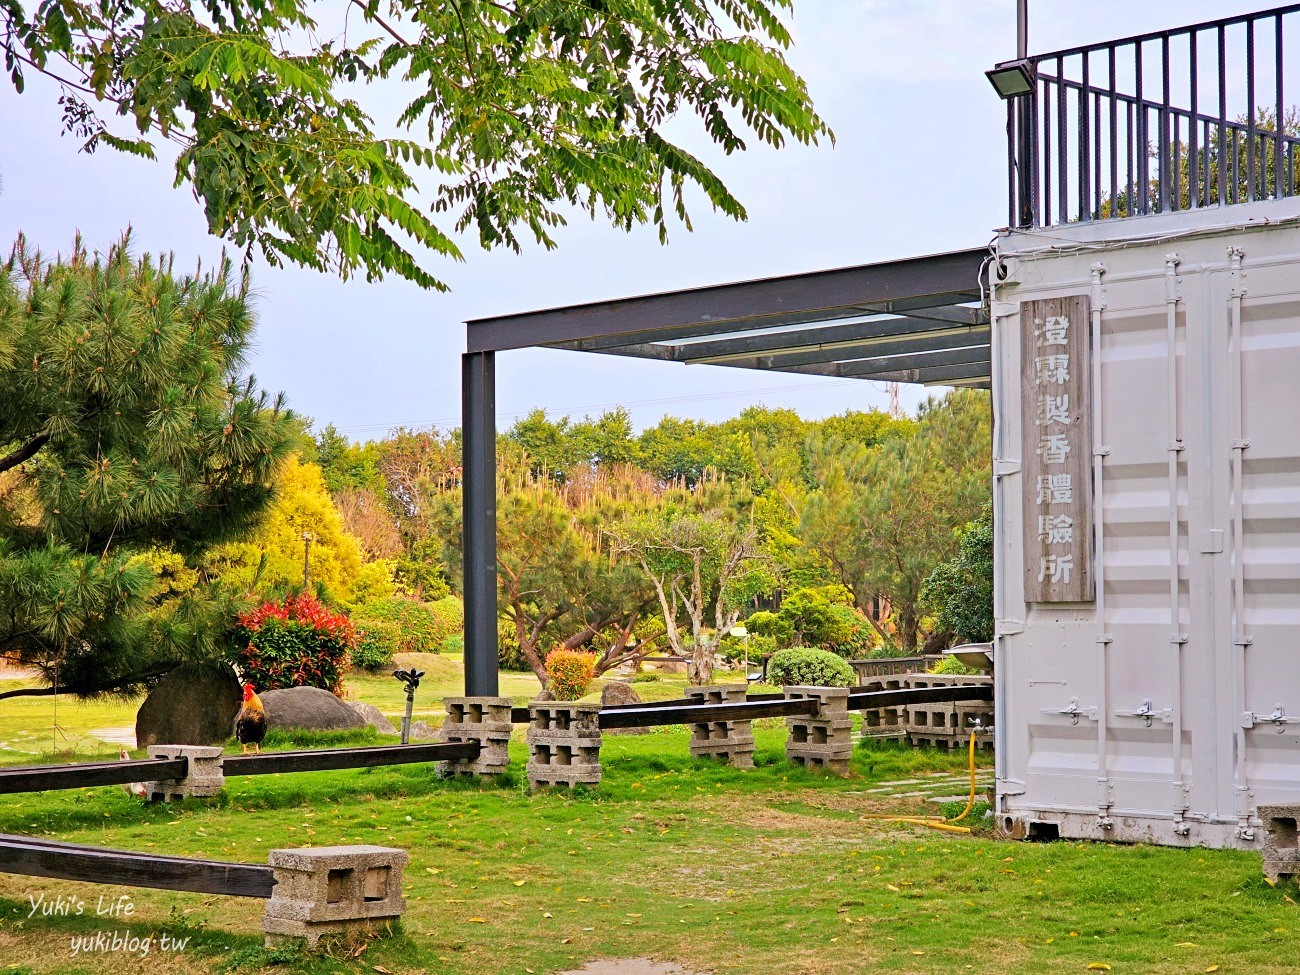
[
  {"x": 1073, "y": 711},
  {"x": 1176, "y": 445},
  {"x": 1104, "y": 801},
  {"x": 1179, "y": 638},
  {"x": 1278, "y": 719},
  {"x": 1241, "y": 444},
  {"x": 1244, "y": 640},
  {"x": 1105, "y": 638},
  {"x": 1243, "y": 800},
  {"x": 1008, "y": 627},
  {"x": 1182, "y": 803},
  {"x": 1011, "y": 787},
  {"x": 1148, "y": 714},
  {"x": 1005, "y": 466},
  {"x": 1101, "y": 451}
]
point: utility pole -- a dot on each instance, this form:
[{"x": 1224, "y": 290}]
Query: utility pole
[
  {"x": 306, "y": 557},
  {"x": 1022, "y": 28}
]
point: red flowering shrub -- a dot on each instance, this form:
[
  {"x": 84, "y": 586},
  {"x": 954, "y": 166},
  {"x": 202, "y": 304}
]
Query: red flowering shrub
[
  {"x": 297, "y": 643},
  {"x": 570, "y": 673}
]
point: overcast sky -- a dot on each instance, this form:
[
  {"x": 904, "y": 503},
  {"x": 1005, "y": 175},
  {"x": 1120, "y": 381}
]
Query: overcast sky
[{"x": 918, "y": 167}]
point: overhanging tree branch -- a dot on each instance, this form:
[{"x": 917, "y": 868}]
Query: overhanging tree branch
[{"x": 24, "y": 453}]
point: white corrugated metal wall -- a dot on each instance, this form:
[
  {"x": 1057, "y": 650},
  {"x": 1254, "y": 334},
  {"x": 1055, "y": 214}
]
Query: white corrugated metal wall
[{"x": 1169, "y": 709}]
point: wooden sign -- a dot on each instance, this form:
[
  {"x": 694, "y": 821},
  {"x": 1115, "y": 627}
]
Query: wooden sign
[{"x": 1056, "y": 413}]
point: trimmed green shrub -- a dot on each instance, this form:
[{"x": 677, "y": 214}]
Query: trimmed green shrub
[
  {"x": 413, "y": 626},
  {"x": 297, "y": 643},
  {"x": 450, "y": 615},
  {"x": 454, "y": 643},
  {"x": 951, "y": 665},
  {"x": 644, "y": 679},
  {"x": 569, "y": 673},
  {"x": 374, "y": 649},
  {"x": 812, "y": 668}
]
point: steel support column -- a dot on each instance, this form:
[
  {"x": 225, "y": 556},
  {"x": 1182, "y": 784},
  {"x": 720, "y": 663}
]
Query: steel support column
[{"x": 479, "y": 511}]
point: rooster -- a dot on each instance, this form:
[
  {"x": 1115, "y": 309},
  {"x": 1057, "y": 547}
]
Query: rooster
[
  {"x": 131, "y": 788},
  {"x": 250, "y": 723}
]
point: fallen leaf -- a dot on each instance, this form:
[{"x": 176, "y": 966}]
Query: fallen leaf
[
  {"x": 1185, "y": 944},
  {"x": 520, "y": 883},
  {"x": 548, "y": 914},
  {"x": 893, "y": 888},
  {"x": 1098, "y": 966},
  {"x": 382, "y": 970},
  {"x": 1213, "y": 968},
  {"x": 478, "y": 920},
  {"x": 917, "y": 951}
]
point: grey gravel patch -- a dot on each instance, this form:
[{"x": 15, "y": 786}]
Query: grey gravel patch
[{"x": 630, "y": 966}]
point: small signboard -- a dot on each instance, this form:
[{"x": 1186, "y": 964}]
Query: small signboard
[{"x": 1057, "y": 449}]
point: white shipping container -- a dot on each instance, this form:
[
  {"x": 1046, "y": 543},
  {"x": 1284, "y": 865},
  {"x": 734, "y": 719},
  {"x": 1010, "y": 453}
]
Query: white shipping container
[{"x": 1167, "y": 709}]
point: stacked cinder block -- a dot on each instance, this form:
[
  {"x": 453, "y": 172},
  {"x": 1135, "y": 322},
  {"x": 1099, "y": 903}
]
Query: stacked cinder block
[
  {"x": 563, "y": 744},
  {"x": 332, "y": 890},
  {"x": 730, "y": 740},
  {"x": 1281, "y": 847},
  {"x": 823, "y": 739},
  {"x": 948, "y": 725},
  {"x": 203, "y": 779},
  {"x": 485, "y": 720},
  {"x": 883, "y": 722}
]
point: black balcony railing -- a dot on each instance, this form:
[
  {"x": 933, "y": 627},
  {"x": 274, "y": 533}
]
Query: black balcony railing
[{"x": 1174, "y": 120}]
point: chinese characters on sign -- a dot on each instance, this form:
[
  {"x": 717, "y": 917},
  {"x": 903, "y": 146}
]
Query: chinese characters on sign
[{"x": 1057, "y": 450}]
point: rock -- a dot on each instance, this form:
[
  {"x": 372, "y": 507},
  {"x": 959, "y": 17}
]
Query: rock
[
  {"x": 372, "y": 716},
  {"x": 308, "y": 709},
  {"x": 195, "y": 704},
  {"x": 422, "y": 732},
  {"x": 544, "y": 695},
  {"x": 616, "y": 692}
]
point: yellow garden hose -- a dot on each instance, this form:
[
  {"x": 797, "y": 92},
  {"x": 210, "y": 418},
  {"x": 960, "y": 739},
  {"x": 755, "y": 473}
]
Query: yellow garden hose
[{"x": 938, "y": 822}]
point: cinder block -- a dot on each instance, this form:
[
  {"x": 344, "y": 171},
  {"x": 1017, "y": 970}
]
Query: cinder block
[
  {"x": 332, "y": 889},
  {"x": 485, "y": 720},
  {"x": 563, "y": 744},
  {"x": 1281, "y": 847},
  {"x": 730, "y": 741},
  {"x": 203, "y": 780},
  {"x": 822, "y": 740}
]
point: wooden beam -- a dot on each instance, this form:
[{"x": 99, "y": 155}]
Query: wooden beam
[
  {"x": 920, "y": 695},
  {"x": 326, "y": 759},
  {"x": 47, "y": 778},
  {"x": 739, "y": 711},
  {"x": 66, "y": 861}
]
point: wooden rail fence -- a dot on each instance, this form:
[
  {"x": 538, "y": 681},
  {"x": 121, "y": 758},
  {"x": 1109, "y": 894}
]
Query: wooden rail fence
[{"x": 33, "y": 857}]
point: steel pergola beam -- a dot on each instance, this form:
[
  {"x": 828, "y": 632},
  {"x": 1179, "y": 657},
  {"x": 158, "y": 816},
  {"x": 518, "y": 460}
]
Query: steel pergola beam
[
  {"x": 941, "y": 279},
  {"x": 941, "y": 340}
]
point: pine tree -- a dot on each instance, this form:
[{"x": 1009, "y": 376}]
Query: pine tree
[{"x": 127, "y": 427}]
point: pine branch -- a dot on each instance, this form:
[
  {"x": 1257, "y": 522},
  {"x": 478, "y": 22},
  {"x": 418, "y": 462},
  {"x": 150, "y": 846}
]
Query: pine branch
[
  {"x": 25, "y": 452},
  {"x": 156, "y": 671}
]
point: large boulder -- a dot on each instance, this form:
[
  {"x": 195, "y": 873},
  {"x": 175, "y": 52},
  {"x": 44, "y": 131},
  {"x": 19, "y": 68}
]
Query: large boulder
[
  {"x": 616, "y": 692},
  {"x": 308, "y": 709},
  {"x": 372, "y": 716},
  {"x": 195, "y": 704}
]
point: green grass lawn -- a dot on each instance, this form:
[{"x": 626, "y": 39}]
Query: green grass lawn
[{"x": 725, "y": 871}]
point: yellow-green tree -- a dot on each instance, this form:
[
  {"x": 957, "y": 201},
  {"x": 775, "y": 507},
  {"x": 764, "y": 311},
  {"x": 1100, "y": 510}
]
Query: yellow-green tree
[{"x": 302, "y": 523}]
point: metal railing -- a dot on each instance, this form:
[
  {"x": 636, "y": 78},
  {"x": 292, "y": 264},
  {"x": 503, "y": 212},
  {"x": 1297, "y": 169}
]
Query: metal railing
[{"x": 1172, "y": 120}]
